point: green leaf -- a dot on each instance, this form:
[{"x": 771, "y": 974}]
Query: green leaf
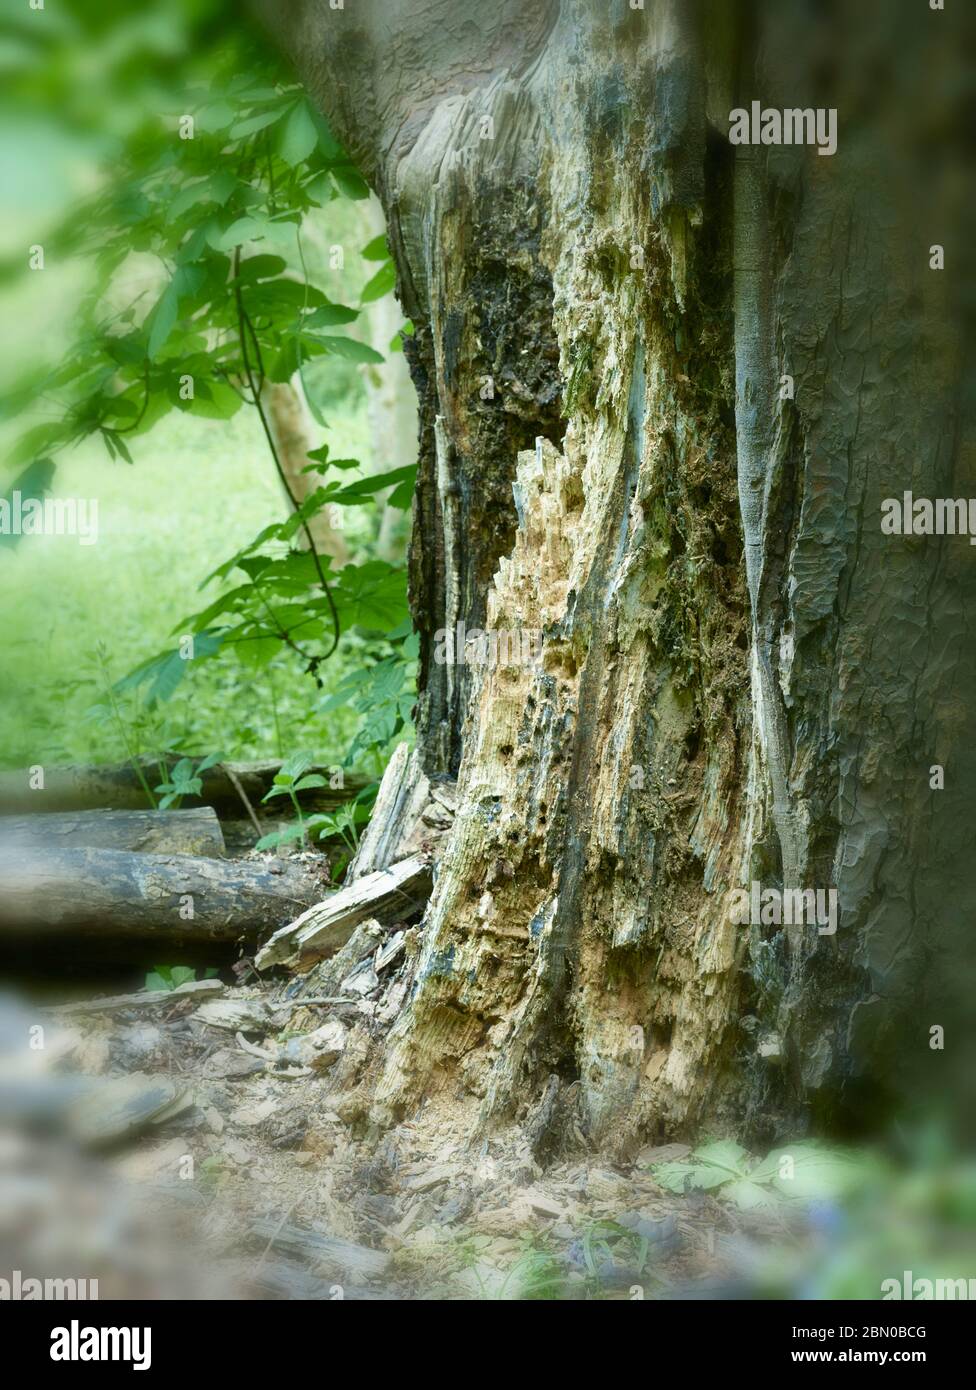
[
  {"x": 750, "y": 1196},
  {"x": 208, "y": 762},
  {"x": 329, "y": 315},
  {"x": 373, "y": 595},
  {"x": 220, "y": 402},
  {"x": 381, "y": 283},
  {"x": 377, "y": 249},
  {"x": 262, "y": 267},
  {"x": 283, "y": 790},
  {"x": 402, "y": 494},
  {"x": 162, "y": 319},
  {"x": 280, "y": 837},
  {"x": 294, "y": 766},
  {"x": 818, "y": 1172},
  {"x": 257, "y": 652},
  {"x": 217, "y": 116},
  {"x": 349, "y": 348},
  {"x": 364, "y": 488},
  {"x": 37, "y": 441},
  {"x": 33, "y": 482},
  {"x": 255, "y": 228},
  {"x": 299, "y": 136},
  {"x": 350, "y": 183},
  {"x": 708, "y": 1167},
  {"x": 250, "y": 125},
  {"x": 163, "y": 673}
]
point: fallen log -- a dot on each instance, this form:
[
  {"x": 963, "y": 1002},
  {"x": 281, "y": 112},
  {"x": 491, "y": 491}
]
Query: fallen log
[
  {"x": 143, "y": 999},
  {"x": 324, "y": 1253},
  {"x": 196, "y": 831},
  {"x": 390, "y": 895},
  {"x": 111, "y": 894},
  {"x": 287, "y": 1279},
  {"x": 119, "y": 786}
]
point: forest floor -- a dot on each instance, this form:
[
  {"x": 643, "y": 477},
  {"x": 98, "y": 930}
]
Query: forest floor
[{"x": 194, "y": 1153}]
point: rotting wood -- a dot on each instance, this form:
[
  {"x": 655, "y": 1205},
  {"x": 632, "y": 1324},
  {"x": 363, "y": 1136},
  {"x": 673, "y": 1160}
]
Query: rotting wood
[
  {"x": 287, "y": 1279},
  {"x": 104, "y": 893},
  {"x": 236, "y": 1015},
  {"x": 395, "y": 815},
  {"x": 322, "y": 1251},
  {"x": 324, "y": 979},
  {"x": 194, "y": 831},
  {"x": 389, "y": 895},
  {"x": 411, "y": 813},
  {"x": 143, "y": 999},
  {"x": 645, "y": 296}
]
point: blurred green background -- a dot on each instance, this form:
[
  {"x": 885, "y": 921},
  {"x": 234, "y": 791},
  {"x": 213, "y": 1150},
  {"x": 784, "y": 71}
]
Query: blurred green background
[{"x": 82, "y": 92}]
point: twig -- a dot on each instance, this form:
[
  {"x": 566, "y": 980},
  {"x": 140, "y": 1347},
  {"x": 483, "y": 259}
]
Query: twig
[{"x": 235, "y": 782}]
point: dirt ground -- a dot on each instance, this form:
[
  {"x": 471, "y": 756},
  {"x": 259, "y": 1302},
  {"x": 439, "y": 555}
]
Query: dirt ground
[{"x": 215, "y": 1143}]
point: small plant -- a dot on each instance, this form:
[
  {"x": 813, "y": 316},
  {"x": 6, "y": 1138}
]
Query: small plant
[
  {"x": 212, "y": 1169},
  {"x": 110, "y": 709},
  {"x": 535, "y": 1276},
  {"x": 293, "y": 778},
  {"x": 342, "y": 824},
  {"x": 803, "y": 1171},
  {"x": 172, "y": 976},
  {"x": 184, "y": 780},
  {"x": 607, "y": 1241}
]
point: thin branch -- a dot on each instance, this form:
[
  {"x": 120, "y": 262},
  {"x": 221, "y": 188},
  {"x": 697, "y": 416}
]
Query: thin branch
[
  {"x": 244, "y": 327},
  {"x": 127, "y": 429}
]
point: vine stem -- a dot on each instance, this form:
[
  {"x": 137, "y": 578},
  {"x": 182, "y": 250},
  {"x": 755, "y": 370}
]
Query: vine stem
[{"x": 245, "y": 326}]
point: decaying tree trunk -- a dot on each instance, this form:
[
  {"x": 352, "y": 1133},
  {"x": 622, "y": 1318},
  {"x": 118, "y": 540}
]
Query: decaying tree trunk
[{"x": 665, "y": 383}]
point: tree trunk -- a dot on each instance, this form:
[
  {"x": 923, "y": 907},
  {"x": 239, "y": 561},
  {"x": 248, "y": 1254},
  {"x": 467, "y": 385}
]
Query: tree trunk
[
  {"x": 291, "y": 427},
  {"x": 738, "y": 677}
]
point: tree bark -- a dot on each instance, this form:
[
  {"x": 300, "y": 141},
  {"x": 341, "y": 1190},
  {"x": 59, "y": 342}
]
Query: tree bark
[{"x": 739, "y": 677}]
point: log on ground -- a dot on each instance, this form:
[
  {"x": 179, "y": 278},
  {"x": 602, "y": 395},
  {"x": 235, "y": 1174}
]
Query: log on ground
[
  {"x": 195, "y": 831},
  {"x": 121, "y": 787},
  {"x": 176, "y": 898}
]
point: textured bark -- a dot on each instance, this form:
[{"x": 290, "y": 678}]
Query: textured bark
[
  {"x": 740, "y": 677},
  {"x": 410, "y": 814}
]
